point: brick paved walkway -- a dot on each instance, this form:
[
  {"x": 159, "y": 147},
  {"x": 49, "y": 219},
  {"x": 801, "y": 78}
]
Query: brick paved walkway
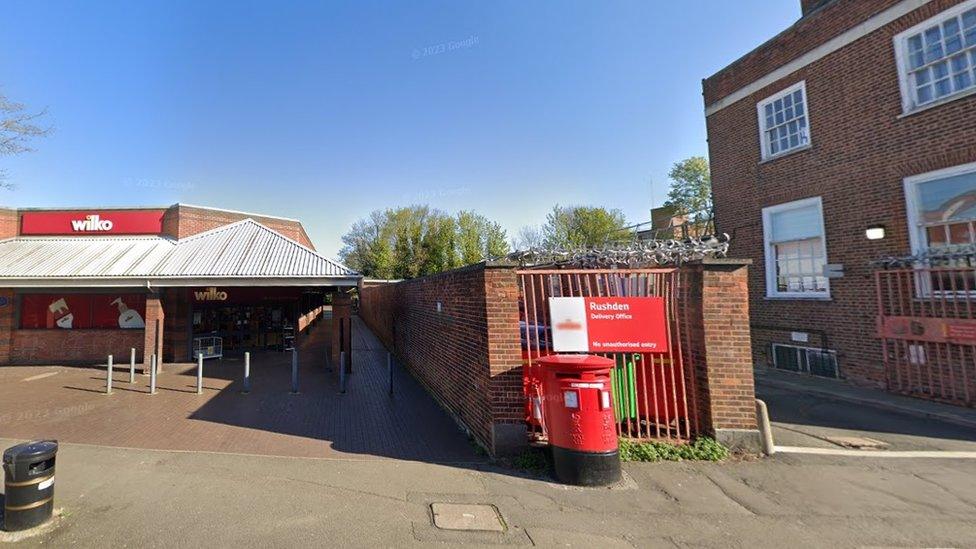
[{"x": 67, "y": 404}]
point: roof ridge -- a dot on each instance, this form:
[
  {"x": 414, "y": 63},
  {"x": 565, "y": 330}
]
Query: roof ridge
[
  {"x": 299, "y": 244},
  {"x": 273, "y": 233}
]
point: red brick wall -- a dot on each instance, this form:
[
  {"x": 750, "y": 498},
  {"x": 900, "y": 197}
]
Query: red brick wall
[
  {"x": 154, "y": 334},
  {"x": 7, "y": 318},
  {"x": 341, "y": 337},
  {"x": 504, "y": 346},
  {"x": 718, "y": 346},
  {"x": 181, "y": 221},
  {"x": 9, "y": 225},
  {"x": 809, "y": 5},
  {"x": 467, "y": 355},
  {"x": 805, "y": 35},
  {"x": 61, "y": 346},
  {"x": 73, "y": 346},
  {"x": 862, "y": 149}
]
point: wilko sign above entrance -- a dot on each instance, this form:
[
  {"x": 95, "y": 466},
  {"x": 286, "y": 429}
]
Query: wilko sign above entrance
[
  {"x": 608, "y": 324},
  {"x": 92, "y": 222},
  {"x": 210, "y": 294}
]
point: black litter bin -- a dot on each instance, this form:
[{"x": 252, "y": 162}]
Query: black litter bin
[{"x": 28, "y": 474}]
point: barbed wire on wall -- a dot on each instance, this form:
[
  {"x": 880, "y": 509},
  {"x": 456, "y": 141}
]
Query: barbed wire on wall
[
  {"x": 958, "y": 255},
  {"x": 647, "y": 253}
]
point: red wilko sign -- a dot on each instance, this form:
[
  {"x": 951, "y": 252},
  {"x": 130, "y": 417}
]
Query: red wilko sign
[
  {"x": 608, "y": 324},
  {"x": 92, "y": 222}
]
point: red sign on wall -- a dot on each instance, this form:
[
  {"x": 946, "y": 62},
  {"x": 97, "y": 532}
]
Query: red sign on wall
[
  {"x": 608, "y": 324},
  {"x": 82, "y": 311},
  {"x": 92, "y": 222},
  {"x": 960, "y": 331}
]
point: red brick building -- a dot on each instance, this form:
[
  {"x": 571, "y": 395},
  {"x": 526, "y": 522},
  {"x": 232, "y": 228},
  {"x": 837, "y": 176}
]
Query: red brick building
[
  {"x": 849, "y": 136},
  {"x": 77, "y": 285}
]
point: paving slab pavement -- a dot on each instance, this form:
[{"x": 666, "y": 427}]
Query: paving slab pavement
[
  {"x": 239, "y": 481},
  {"x": 69, "y": 404},
  {"x": 152, "y": 498}
]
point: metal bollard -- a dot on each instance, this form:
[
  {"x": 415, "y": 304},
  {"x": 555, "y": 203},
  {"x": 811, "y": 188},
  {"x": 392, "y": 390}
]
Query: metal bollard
[
  {"x": 247, "y": 372},
  {"x": 342, "y": 372},
  {"x": 108, "y": 377},
  {"x": 152, "y": 375},
  {"x": 132, "y": 365},
  {"x": 294, "y": 371},
  {"x": 200, "y": 374},
  {"x": 389, "y": 366}
]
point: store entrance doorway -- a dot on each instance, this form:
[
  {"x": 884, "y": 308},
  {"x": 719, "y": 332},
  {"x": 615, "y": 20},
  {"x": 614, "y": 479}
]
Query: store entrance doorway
[
  {"x": 244, "y": 327},
  {"x": 232, "y": 320}
]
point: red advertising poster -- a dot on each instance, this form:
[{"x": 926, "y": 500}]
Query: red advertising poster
[
  {"x": 118, "y": 311},
  {"x": 66, "y": 312},
  {"x": 608, "y": 324},
  {"x": 92, "y": 222},
  {"x": 81, "y": 311}
]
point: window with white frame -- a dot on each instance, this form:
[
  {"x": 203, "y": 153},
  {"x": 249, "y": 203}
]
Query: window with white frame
[
  {"x": 942, "y": 210},
  {"x": 783, "y": 122},
  {"x": 937, "y": 59},
  {"x": 795, "y": 250}
]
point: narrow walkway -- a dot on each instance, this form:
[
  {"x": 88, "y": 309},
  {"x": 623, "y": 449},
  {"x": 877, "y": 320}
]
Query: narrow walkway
[{"x": 68, "y": 404}]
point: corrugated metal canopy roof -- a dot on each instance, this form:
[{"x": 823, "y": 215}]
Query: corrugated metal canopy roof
[{"x": 245, "y": 252}]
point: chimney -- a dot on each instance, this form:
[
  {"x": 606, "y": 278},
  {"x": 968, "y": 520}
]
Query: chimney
[{"x": 808, "y": 6}]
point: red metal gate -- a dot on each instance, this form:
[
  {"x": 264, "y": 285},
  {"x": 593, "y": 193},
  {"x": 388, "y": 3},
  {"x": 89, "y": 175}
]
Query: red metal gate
[
  {"x": 652, "y": 391},
  {"x": 927, "y": 328}
]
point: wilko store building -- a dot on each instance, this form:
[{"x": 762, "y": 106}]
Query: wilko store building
[{"x": 79, "y": 284}]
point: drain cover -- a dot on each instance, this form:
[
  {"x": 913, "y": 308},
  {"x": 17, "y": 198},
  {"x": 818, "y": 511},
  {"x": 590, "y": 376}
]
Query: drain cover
[
  {"x": 858, "y": 442},
  {"x": 458, "y": 516}
]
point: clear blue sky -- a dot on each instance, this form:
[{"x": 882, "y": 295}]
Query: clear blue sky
[{"x": 326, "y": 111}]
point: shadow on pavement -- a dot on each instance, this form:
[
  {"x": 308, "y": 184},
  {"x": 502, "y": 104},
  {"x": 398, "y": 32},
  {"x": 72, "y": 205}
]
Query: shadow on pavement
[
  {"x": 365, "y": 420},
  {"x": 796, "y": 408}
]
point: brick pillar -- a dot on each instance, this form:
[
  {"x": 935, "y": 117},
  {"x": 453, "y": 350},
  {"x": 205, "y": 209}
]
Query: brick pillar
[
  {"x": 341, "y": 313},
  {"x": 721, "y": 347},
  {"x": 506, "y": 396},
  {"x": 9, "y": 225},
  {"x": 6, "y": 324},
  {"x": 155, "y": 319}
]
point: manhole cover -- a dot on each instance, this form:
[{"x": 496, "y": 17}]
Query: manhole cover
[
  {"x": 858, "y": 442},
  {"x": 458, "y": 516}
]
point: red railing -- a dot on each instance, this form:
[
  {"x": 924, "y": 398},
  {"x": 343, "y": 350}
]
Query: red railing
[
  {"x": 927, "y": 325},
  {"x": 651, "y": 391}
]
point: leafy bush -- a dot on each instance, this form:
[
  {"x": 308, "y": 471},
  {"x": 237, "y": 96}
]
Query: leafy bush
[
  {"x": 702, "y": 449},
  {"x": 533, "y": 460}
]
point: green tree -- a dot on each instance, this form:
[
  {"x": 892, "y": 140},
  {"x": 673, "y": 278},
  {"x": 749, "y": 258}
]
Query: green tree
[
  {"x": 368, "y": 247},
  {"x": 438, "y": 244},
  {"x": 495, "y": 241},
  {"x": 469, "y": 228},
  {"x": 17, "y": 128},
  {"x": 691, "y": 190},
  {"x": 417, "y": 241},
  {"x": 479, "y": 238},
  {"x": 569, "y": 227}
]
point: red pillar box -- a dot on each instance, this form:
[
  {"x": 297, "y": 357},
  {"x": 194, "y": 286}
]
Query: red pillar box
[{"x": 578, "y": 411}]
